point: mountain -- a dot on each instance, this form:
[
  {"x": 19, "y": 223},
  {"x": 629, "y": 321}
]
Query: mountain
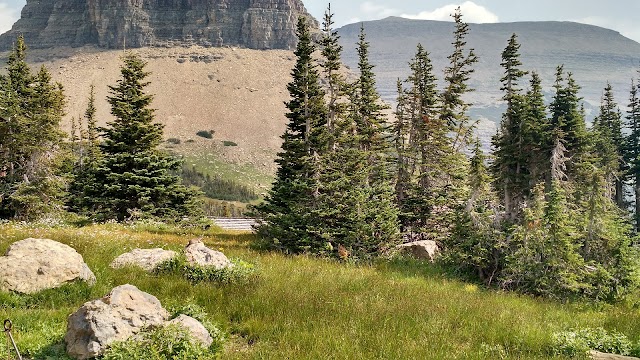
[
  {"x": 593, "y": 54},
  {"x": 114, "y": 24}
]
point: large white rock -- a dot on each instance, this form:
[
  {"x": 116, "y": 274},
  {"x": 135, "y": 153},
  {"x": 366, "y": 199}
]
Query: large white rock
[
  {"x": 148, "y": 259},
  {"x": 198, "y": 332},
  {"x": 115, "y": 317},
  {"x": 425, "y": 249},
  {"x": 198, "y": 254},
  {"x": 33, "y": 265}
]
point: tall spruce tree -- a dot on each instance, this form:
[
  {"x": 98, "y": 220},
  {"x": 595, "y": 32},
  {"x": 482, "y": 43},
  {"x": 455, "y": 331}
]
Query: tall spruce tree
[
  {"x": 510, "y": 157},
  {"x": 536, "y": 133},
  {"x": 456, "y": 77},
  {"x": 632, "y": 148},
  {"x": 31, "y": 108},
  {"x": 609, "y": 145},
  {"x": 427, "y": 162},
  {"x": 568, "y": 123},
  {"x": 286, "y": 221},
  {"x": 135, "y": 179}
]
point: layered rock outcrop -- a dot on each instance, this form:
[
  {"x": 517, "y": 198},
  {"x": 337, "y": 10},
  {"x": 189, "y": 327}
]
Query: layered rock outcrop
[{"x": 255, "y": 24}]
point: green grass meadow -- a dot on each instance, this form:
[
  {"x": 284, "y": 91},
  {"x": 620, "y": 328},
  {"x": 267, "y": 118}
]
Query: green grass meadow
[{"x": 308, "y": 308}]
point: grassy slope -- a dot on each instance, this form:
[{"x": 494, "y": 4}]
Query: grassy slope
[{"x": 305, "y": 308}]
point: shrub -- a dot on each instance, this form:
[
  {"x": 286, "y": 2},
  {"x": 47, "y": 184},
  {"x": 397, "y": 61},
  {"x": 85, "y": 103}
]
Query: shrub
[
  {"x": 579, "y": 342},
  {"x": 241, "y": 272},
  {"x": 167, "y": 342},
  {"x": 207, "y": 134},
  {"x": 229, "y": 143},
  {"x": 174, "y": 141}
]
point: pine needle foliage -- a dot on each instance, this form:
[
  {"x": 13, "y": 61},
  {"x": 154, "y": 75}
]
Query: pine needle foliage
[
  {"x": 134, "y": 179},
  {"x": 31, "y": 156}
]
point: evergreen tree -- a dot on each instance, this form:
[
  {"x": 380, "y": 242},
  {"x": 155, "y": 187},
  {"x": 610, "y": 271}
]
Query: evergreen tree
[
  {"x": 88, "y": 156},
  {"x": 427, "y": 162},
  {"x": 609, "y": 145},
  {"x": 478, "y": 242},
  {"x": 510, "y": 157},
  {"x": 336, "y": 85},
  {"x": 286, "y": 222},
  {"x": 567, "y": 122},
  {"x": 632, "y": 148},
  {"x": 456, "y": 76},
  {"x": 536, "y": 133},
  {"x": 134, "y": 179},
  {"x": 31, "y": 108}
]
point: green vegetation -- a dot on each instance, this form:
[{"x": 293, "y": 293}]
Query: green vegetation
[
  {"x": 309, "y": 308},
  {"x": 32, "y": 178},
  {"x": 169, "y": 342},
  {"x": 576, "y": 343},
  {"x": 216, "y": 187},
  {"x": 207, "y": 134},
  {"x": 229, "y": 143},
  {"x": 241, "y": 272}
]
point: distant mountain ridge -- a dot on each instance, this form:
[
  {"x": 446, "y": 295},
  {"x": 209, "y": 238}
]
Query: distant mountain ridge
[
  {"x": 593, "y": 54},
  {"x": 114, "y": 24}
]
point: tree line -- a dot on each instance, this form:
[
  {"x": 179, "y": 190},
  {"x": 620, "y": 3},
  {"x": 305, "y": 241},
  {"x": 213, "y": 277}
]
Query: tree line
[
  {"x": 545, "y": 213},
  {"x": 106, "y": 173}
]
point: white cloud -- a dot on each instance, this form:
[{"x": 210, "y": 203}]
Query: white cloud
[
  {"x": 7, "y": 17},
  {"x": 471, "y": 12},
  {"x": 372, "y": 10}
]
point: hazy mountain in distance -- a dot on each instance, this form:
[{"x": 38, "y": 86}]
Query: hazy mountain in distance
[{"x": 593, "y": 54}]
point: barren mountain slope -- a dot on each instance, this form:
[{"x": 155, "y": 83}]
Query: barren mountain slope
[{"x": 238, "y": 93}]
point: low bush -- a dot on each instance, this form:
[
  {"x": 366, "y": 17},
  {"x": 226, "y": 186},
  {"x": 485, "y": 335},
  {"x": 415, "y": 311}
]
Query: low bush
[
  {"x": 241, "y": 272},
  {"x": 229, "y": 143},
  {"x": 207, "y": 134},
  {"x": 579, "y": 342},
  {"x": 174, "y": 141},
  {"x": 167, "y": 342}
]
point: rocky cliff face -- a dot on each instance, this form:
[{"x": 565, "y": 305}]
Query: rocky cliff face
[{"x": 255, "y": 24}]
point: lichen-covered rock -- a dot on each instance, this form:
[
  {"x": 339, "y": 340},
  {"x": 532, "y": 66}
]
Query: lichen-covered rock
[
  {"x": 425, "y": 249},
  {"x": 198, "y": 332},
  {"x": 257, "y": 24},
  {"x": 198, "y": 254},
  {"x": 115, "y": 317},
  {"x": 147, "y": 259},
  {"x": 33, "y": 265}
]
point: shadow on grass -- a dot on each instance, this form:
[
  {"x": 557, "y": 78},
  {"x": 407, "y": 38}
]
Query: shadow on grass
[
  {"x": 55, "y": 350},
  {"x": 77, "y": 292},
  {"x": 411, "y": 268}
]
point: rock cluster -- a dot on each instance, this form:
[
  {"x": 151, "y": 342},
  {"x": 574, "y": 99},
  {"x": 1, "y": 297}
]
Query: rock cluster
[
  {"x": 32, "y": 265},
  {"x": 125, "y": 312},
  {"x": 255, "y": 24},
  {"x": 115, "y": 317}
]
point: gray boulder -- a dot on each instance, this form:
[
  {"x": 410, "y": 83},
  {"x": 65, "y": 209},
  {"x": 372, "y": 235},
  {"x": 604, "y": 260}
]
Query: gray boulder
[
  {"x": 596, "y": 355},
  {"x": 147, "y": 259},
  {"x": 198, "y": 254},
  {"x": 115, "y": 317},
  {"x": 425, "y": 249},
  {"x": 198, "y": 332},
  {"x": 33, "y": 265}
]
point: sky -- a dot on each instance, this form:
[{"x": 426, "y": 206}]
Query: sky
[{"x": 620, "y": 15}]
